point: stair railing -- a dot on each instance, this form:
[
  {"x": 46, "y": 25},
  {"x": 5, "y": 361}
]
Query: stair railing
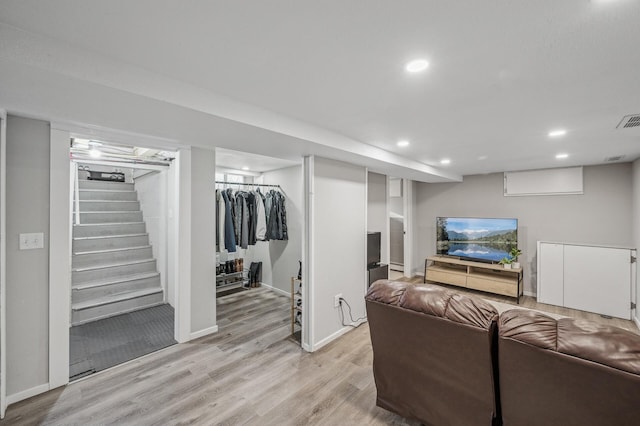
[{"x": 76, "y": 189}]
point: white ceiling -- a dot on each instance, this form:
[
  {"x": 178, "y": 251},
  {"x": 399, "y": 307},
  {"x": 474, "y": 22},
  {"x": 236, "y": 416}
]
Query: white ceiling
[
  {"x": 502, "y": 73},
  {"x": 254, "y": 163}
]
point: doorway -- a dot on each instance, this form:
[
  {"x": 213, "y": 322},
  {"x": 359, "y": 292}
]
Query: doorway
[
  {"x": 396, "y": 227},
  {"x": 122, "y": 299},
  {"x": 258, "y": 255}
]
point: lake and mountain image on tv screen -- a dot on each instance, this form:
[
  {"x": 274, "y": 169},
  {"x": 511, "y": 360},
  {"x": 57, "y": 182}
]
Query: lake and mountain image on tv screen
[{"x": 476, "y": 238}]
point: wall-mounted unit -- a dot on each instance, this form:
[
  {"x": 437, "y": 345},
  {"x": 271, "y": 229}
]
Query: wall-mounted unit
[
  {"x": 563, "y": 181},
  {"x": 589, "y": 278}
]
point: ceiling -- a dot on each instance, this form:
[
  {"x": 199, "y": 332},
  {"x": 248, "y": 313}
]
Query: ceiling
[
  {"x": 502, "y": 74},
  {"x": 238, "y": 162}
]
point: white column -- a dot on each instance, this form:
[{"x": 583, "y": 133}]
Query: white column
[{"x": 59, "y": 258}]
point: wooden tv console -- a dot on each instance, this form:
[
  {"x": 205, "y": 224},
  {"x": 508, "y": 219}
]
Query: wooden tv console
[{"x": 474, "y": 275}]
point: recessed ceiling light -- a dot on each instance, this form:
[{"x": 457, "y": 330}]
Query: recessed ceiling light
[
  {"x": 562, "y": 156},
  {"x": 95, "y": 153},
  {"x": 245, "y": 168},
  {"x": 417, "y": 65},
  {"x": 403, "y": 143},
  {"x": 557, "y": 133},
  {"x": 482, "y": 157},
  {"x": 445, "y": 161}
]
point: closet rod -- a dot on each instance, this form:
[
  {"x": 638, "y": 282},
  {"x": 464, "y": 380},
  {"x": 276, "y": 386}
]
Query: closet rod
[{"x": 247, "y": 184}]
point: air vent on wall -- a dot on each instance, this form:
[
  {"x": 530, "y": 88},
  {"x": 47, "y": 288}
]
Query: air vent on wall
[
  {"x": 614, "y": 158},
  {"x": 629, "y": 121}
]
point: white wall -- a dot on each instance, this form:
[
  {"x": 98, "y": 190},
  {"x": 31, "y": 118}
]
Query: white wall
[
  {"x": 338, "y": 245},
  {"x": 27, "y": 270},
  {"x": 602, "y": 215},
  {"x": 203, "y": 240},
  {"x": 28, "y": 280},
  {"x": 151, "y": 187},
  {"x": 636, "y": 224},
  {"x": 377, "y": 211},
  {"x": 280, "y": 258}
]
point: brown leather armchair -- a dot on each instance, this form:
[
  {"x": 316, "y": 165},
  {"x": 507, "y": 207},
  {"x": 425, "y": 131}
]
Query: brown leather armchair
[
  {"x": 567, "y": 371},
  {"x": 433, "y": 353}
]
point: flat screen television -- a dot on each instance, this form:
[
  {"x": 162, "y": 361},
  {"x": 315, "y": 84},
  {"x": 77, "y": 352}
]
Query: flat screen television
[
  {"x": 373, "y": 248},
  {"x": 474, "y": 238}
]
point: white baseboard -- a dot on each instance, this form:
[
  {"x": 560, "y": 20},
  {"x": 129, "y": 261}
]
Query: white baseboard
[
  {"x": 334, "y": 336},
  {"x": 276, "y": 289},
  {"x": 637, "y": 321},
  {"x": 202, "y": 333},
  {"x": 530, "y": 293},
  {"x": 25, "y": 394}
]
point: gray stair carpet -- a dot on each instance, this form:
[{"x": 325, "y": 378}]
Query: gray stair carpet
[
  {"x": 113, "y": 267},
  {"x": 101, "y": 344}
]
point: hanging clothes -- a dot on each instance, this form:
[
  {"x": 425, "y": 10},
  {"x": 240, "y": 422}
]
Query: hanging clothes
[
  {"x": 246, "y": 217},
  {"x": 229, "y": 233},
  {"x": 220, "y": 216},
  {"x": 283, "y": 217},
  {"x": 276, "y": 214},
  {"x": 251, "y": 203},
  {"x": 242, "y": 219},
  {"x": 261, "y": 218}
]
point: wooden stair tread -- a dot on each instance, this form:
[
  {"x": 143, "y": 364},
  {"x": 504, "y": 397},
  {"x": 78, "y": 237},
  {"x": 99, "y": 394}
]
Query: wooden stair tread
[
  {"x": 107, "y": 300},
  {"x": 113, "y": 265},
  {"x": 101, "y": 237},
  {"x": 109, "y": 281}
]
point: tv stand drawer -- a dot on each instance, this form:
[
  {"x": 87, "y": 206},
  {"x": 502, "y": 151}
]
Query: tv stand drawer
[
  {"x": 452, "y": 277},
  {"x": 493, "y": 286}
]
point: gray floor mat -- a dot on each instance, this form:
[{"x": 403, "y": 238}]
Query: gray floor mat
[{"x": 104, "y": 343}]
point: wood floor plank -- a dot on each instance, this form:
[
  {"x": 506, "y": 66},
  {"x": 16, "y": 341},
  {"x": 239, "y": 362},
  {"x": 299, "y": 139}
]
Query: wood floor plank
[{"x": 249, "y": 373}]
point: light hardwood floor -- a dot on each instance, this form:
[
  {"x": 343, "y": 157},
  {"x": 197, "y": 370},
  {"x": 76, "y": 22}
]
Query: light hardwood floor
[{"x": 250, "y": 372}]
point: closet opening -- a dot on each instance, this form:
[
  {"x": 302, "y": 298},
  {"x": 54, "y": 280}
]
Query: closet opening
[
  {"x": 122, "y": 292},
  {"x": 260, "y": 212},
  {"x": 396, "y": 228}
]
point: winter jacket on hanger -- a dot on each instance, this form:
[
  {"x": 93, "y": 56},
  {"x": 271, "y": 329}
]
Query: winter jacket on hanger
[
  {"x": 219, "y": 221},
  {"x": 229, "y": 234},
  {"x": 261, "y": 218}
]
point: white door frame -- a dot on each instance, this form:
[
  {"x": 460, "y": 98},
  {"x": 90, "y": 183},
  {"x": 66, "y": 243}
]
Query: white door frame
[
  {"x": 3, "y": 262},
  {"x": 306, "y": 336},
  {"x": 60, "y": 199},
  {"x": 60, "y": 239},
  {"x": 407, "y": 201}
]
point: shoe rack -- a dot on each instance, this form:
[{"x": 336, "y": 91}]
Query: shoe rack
[
  {"x": 296, "y": 309},
  {"x": 230, "y": 274}
]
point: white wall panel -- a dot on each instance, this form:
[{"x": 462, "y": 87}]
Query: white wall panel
[
  {"x": 598, "y": 279},
  {"x": 544, "y": 182},
  {"x": 27, "y": 271},
  {"x": 339, "y": 240},
  {"x": 551, "y": 277}
]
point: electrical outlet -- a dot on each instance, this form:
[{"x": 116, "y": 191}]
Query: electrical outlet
[
  {"x": 336, "y": 300},
  {"x": 32, "y": 241}
]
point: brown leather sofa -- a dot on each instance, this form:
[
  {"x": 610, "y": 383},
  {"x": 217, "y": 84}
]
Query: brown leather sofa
[
  {"x": 447, "y": 359},
  {"x": 433, "y": 353},
  {"x": 567, "y": 371}
]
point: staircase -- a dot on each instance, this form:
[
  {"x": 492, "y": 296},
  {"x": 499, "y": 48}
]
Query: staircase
[{"x": 113, "y": 269}]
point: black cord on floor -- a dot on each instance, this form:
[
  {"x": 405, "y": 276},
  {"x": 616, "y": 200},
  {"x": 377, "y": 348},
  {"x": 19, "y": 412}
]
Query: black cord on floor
[{"x": 350, "y": 315}]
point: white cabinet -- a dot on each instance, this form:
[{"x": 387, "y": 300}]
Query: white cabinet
[
  {"x": 590, "y": 278},
  {"x": 551, "y": 274}
]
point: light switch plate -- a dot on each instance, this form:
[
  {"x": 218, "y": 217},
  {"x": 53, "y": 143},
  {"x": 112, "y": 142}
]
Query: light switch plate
[{"x": 32, "y": 241}]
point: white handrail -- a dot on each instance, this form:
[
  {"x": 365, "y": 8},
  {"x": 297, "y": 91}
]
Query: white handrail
[{"x": 77, "y": 194}]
